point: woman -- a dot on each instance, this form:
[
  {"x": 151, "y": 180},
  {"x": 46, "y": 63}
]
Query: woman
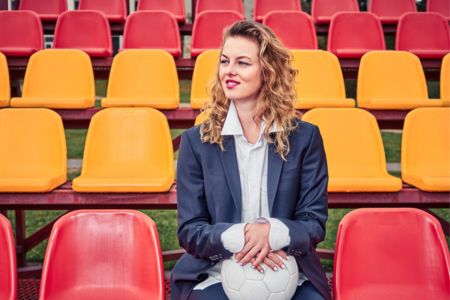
[{"x": 252, "y": 179}]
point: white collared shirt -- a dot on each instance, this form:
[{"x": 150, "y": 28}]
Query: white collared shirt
[{"x": 252, "y": 162}]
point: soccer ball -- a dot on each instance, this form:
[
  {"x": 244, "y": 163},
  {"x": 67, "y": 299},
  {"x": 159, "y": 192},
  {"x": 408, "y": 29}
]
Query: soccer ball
[{"x": 245, "y": 283}]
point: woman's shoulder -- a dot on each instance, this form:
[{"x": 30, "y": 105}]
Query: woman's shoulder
[
  {"x": 303, "y": 128},
  {"x": 193, "y": 132}
]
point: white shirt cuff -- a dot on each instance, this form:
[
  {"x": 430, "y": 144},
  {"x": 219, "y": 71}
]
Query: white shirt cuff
[
  {"x": 233, "y": 238},
  {"x": 278, "y": 235}
]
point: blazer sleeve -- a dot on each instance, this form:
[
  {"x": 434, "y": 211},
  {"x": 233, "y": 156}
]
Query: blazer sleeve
[
  {"x": 196, "y": 234},
  {"x": 307, "y": 228}
]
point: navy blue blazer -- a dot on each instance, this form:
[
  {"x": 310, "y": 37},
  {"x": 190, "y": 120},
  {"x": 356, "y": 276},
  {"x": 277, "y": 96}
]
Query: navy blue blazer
[{"x": 209, "y": 202}]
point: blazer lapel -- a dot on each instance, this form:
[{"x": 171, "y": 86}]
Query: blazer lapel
[
  {"x": 275, "y": 163},
  {"x": 230, "y": 166}
]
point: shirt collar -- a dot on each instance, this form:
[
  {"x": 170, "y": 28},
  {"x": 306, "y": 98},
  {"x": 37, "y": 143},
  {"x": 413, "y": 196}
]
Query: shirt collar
[{"x": 232, "y": 125}]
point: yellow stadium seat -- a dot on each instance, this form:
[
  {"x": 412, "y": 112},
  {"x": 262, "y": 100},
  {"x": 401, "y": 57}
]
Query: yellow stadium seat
[
  {"x": 205, "y": 71},
  {"x": 127, "y": 150},
  {"x": 392, "y": 80},
  {"x": 426, "y": 149},
  {"x": 445, "y": 80},
  {"x": 143, "y": 78},
  {"x": 33, "y": 155},
  {"x": 354, "y": 149},
  {"x": 4, "y": 82},
  {"x": 200, "y": 118},
  {"x": 58, "y": 78},
  {"x": 319, "y": 81}
]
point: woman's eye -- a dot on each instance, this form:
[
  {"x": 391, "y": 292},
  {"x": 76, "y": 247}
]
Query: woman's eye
[
  {"x": 223, "y": 61},
  {"x": 243, "y": 63}
]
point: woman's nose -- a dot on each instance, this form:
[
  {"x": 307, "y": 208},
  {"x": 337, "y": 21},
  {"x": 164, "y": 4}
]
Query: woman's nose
[{"x": 231, "y": 68}]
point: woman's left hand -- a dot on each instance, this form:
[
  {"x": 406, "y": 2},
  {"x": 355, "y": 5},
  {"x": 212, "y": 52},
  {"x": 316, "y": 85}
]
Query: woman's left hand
[{"x": 256, "y": 244}]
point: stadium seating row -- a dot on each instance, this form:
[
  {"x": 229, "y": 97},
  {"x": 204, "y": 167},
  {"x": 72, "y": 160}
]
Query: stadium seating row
[
  {"x": 63, "y": 79},
  {"x": 116, "y": 254},
  {"x": 130, "y": 150},
  {"x": 351, "y": 34},
  {"x": 321, "y": 10},
  {"x": 111, "y": 254}
]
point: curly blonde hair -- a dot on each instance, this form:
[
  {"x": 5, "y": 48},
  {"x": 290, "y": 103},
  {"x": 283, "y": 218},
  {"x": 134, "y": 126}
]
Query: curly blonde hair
[{"x": 275, "y": 99}]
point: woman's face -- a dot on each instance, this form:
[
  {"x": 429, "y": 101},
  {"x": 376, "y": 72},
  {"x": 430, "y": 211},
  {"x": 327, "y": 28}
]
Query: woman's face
[{"x": 240, "y": 70}]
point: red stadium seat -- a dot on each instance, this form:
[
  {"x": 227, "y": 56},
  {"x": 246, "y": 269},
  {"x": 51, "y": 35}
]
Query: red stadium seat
[
  {"x": 208, "y": 29},
  {"x": 48, "y": 10},
  {"x": 391, "y": 253},
  {"x": 262, "y": 7},
  {"x": 20, "y": 33},
  {"x": 389, "y": 11},
  {"x": 8, "y": 270},
  {"x": 439, "y": 6},
  {"x": 87, "y": 30},
  {"x": 427, "y": 35},
  {"x": 143, "y": 31},
  {"x": 352, "y": 34},
  {"x": 235, "y": 5},
  {"x": 103, "y": 254},
  {"x": 115, "y": 10},
  {"x": 294, "y": 28},
  {"x": 176, "y": 7},
  {"x": 323, "y": 10}
]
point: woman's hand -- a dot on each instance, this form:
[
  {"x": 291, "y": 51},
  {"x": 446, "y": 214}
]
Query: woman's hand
[
  {"x": 274, "y": 260},
  {"x": 256, "y": 245}
]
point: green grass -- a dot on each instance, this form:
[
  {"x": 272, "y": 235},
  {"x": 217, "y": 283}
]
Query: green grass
[
  {"x": 75, "y": 139},
  {"x": 392, "y": 145}
]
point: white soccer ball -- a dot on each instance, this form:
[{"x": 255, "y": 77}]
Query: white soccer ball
[{"x": 245, "y": 283}]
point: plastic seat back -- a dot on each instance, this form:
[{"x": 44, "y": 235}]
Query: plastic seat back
[
  {"x": 38, "y": 170},
  {"x": 143, "y": 78},
  {"x": 5, "y": 93},
  {"x": 352, "y": 34},
  {"x": 439, "y": 6},
  {"x": 20, "y": 33},
  {"x": 390, "y": 253},
  {"x": 8, "y": 274},
  {"x": 111, "y": 254},
  {"x": 234, "y": 5},
  {"x": 176, "y": 7},
  {"x": 263, "y": 7},
  {"x": 87, "y": 30},
  {"x": 323, "y": 10},
  {"x": 390, "y": 11},
  {"x": 143, "y": 31},
  {"x": 295, "y": 29},
  {"x": 205, "y": 71},
  {"x": 427, "y": 35},
  {"x": 200, "y": 118},
  {"x": 319, "y": 82},
  {"x": 425, "y": 149},
  {"x": 58, "y": 78},
  {"x": 354, "y": 149},
  {"x": 115, "y": 10},
  {"x": 48, "y": 10},
  {"x": 127, "y": 150},
  {"x": 392, "y": 80},
  {"x": 208, "y": 29},
  {"x": 445, "y": 80}
]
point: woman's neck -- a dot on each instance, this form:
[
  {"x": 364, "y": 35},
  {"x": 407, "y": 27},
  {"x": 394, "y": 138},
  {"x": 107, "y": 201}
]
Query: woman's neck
[{"x": 246, "y": 111}]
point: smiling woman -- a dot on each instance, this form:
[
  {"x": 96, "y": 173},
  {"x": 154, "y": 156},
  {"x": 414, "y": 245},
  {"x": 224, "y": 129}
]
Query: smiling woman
[{"x": 252, "y": 178}]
